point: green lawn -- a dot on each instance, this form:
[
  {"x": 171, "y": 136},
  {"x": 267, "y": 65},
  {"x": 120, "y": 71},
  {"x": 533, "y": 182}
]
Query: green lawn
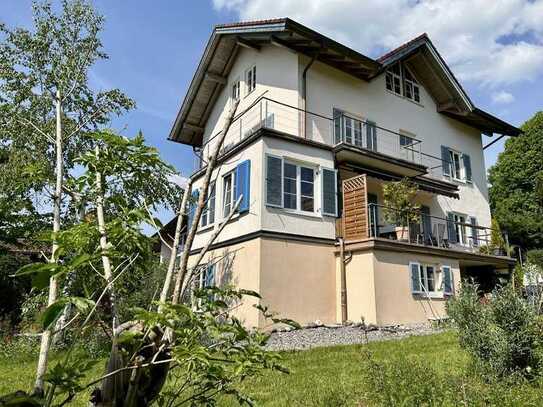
[{"x": 337, "y": 376}]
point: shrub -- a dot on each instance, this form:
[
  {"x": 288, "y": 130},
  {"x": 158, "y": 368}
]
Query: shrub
[{"x": 503, "y": 336}]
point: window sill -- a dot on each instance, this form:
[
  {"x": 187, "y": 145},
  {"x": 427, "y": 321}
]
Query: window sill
[
  {"x": 404, "y": 97},
  {"x": 432, "y": 295},
  {"x": 297, "y": 212},
  {"x": 206, "y": 228}
]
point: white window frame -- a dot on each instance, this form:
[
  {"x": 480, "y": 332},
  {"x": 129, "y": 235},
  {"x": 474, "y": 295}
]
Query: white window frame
[
  {"x": 460, "y": 173},
  {"x": 232, "y": 176},
  {"x": 299, "y": 181},
  {"x": 235, "y": 88},
  {"x": 250, "y": 86},
  {"x": 393, "y": 75},
  {"x": 409, "y": 154},
  {"x": 438, "y": 279},
  {"x": 461, "y": 230},
  {"x": 205, "y": 212},
  {"x": 317, "y": 173},
  {"x": 404, "y": 82}
]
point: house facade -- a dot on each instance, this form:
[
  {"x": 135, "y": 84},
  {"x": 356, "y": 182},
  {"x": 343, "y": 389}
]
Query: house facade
[{"x": 318, "y": 131}]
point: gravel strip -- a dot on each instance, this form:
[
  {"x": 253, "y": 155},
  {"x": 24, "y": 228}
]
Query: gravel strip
[{"x": 313, "y": 337}]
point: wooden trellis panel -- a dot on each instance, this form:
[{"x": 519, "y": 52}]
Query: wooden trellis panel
[{"x": 355, "y": 208}]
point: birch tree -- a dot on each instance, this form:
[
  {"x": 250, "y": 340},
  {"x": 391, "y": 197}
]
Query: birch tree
[{"x": 47, "y": 107}]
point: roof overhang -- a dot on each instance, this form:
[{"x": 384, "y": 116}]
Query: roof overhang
[
  {"x": 219, "y": 55},
  {"x": 423, "y": 59}
]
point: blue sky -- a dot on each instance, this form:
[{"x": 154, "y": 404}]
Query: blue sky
[{"x": 155, "y": 46}]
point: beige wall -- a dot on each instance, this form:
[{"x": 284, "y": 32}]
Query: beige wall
[
  {"x": 360, "y": 289},
  {"x": 379, "y": 288},
  {"x": 297, "y": 280},
  {"x": 239, "y": 265}
]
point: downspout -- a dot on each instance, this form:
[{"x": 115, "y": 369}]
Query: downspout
[
  {"x": 304, "y": 92},
  {"x": 343, "y": 280}
]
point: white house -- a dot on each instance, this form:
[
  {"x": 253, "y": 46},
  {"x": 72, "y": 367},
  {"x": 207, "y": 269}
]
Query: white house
[{"x": 319, "y": 129}]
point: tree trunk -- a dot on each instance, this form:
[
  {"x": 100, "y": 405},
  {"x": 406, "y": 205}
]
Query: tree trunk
[
  {"x": 182, "y": 215},
  {"x": 53, "y": 283},
  {"x": 191, "y": 233}
]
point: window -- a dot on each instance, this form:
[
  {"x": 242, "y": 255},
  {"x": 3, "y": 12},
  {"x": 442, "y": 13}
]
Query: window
[
  {"x": 347, "y": 129},
  {"x": 431, "y": 280},
  {"x": 250, "y": 79},
  {"x": 394, "y": 79},
  {"x": 208, "y": 214},
  {"x": 412, "y": 90},
  {"x": 407, "y": 147},
  {"x": 236, "y": 90},
  {"x": 460, "y": 228},
  {"x": 229, "y": 192},
  {"x": 298, "y": 187},
  {"x": 456, "y": 165},
  {"x": 400, "y": 80}
]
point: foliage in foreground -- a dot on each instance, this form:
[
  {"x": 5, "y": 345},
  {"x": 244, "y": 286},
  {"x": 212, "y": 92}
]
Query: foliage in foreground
[{"x": 503, "y": 335}]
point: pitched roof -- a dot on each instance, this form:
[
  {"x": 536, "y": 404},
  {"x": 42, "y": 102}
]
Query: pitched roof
[{"x": 219, "y": 54}]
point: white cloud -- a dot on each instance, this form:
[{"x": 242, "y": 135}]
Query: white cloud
[
  {"x": 470, "y": 34},
  {"x": 179, "y": 180},
  {"x": 502, "y": 97}
]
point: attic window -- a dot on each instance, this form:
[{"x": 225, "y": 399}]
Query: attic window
[{"x": 400, "y": 81}]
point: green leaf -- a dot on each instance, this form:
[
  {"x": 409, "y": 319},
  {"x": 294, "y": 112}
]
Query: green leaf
[
  {"x": 34, "y": 268},
  {"x": 52, "y": 313},
  {"x": 40, "y": 280}
]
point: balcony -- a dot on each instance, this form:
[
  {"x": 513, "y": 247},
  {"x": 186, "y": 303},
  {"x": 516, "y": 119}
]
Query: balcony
[
  {"x": 353, "y": 140},
  {"x": 455, "y": 233}
]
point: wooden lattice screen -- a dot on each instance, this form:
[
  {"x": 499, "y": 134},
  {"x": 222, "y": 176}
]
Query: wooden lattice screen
[{"x": 355, "y": 208}]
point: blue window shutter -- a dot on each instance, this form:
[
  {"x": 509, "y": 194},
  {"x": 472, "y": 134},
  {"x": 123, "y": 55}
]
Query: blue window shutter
[
  {"x": 210, "y": 275},
  {"x": 329, "y": 193},
  {"x": 243, "y": 185},
  {"x": 446, "y": 161},
  {"x": 274, "y": 181},
  {"x": 192, "y": 207},
  {"x": 474, "y": 234},
  {"x": 414, "y": 270},
  {"x": 447, "y": 280},
  {"x": 451, "y": 228},
  {"x": 467, "y": 166}
]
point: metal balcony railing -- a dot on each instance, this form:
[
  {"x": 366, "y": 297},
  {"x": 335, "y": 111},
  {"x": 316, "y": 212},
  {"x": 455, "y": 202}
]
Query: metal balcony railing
[
  {"x": 428, "y": 230},
  {"x": 341, "y": 129}
]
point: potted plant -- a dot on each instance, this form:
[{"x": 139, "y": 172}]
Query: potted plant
[{"x": 400, "y": 209}]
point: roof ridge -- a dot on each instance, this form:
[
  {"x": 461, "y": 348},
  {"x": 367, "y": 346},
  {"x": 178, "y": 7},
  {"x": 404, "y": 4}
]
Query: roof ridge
[
  {"x": 251, "y": 22},
  {"x": 402, "y": 46}
]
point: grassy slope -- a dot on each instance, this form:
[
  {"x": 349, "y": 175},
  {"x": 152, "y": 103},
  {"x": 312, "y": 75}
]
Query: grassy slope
[{"x": 319, "y": 377}]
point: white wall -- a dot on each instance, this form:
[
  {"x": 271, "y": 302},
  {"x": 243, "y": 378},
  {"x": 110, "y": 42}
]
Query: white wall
[
  {"x": 277, "y": 78},
  {"x": 329, "y": 88},
  {"x": 279, "y": 75}
]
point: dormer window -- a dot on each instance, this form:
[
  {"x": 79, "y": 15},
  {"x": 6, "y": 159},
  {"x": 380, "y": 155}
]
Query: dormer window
[{"x": 401, "y": 81}]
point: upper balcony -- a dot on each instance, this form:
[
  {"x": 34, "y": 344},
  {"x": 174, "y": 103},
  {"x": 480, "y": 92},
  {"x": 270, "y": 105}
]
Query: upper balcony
[{"x": 353, "y": 140}]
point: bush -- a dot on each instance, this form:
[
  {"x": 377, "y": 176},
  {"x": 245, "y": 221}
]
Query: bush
[{"x": 503, "y": 335}]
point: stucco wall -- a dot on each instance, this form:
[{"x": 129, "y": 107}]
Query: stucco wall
[
  {"x": 297, "y": 280},
  {"x": 360, "y": 289},
  {"x": 238, "y": 265},
  {"x": 248, "y": 222},
  {"x": 393, "y": 298},
  {"x": 281, "y": 220},
  {"x": 328, "y": 87},
  {"x": 277, "y": 79}
]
